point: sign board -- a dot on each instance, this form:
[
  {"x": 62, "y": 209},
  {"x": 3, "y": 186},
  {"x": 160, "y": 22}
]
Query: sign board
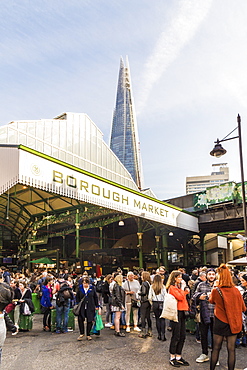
[{"x": 49, "y": 174}]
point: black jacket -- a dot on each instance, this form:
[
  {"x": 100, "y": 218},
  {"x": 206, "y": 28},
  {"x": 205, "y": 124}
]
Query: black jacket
[
  {"x": 89, "y": 304},
  {"x": 144, "y": 291},
  {"x": 60, "y": 299},
  {"x": 118, "y": 296},
  {"x": 105, "y": 292}
]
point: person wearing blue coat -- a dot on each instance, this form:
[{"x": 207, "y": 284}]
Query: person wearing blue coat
[
  {"x": 46, "y": 303},
  {"x": 90, "y": 303}
]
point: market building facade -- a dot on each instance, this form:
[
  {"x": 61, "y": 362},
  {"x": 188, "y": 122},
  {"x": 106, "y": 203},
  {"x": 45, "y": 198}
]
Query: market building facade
[{"x": 64, "y": 193}]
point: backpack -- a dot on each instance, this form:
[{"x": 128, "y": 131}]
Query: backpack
[
  {"x": 63, "y": 294},
  {"x": 99, "y": 286},
  {"x": 66, "y": 294}
]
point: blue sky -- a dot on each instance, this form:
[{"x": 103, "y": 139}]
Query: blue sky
[{"x": 188, "y": 62}]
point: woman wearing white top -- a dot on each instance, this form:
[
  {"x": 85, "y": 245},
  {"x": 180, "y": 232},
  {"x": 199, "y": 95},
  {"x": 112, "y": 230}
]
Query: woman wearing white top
[{"x": 156, "y": 296}]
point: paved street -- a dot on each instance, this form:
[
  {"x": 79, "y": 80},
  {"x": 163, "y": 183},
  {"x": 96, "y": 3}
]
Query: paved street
[{"x": 40, "y": 350}]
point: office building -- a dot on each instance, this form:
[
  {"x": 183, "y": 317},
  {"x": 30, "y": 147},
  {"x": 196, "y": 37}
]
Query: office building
[{"x": 195, "y": 184}]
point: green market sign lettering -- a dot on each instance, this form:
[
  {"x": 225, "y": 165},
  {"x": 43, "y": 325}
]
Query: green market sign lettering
[
  {"x": 54, "y": 176},
  {"x": 111, "y": 194}
]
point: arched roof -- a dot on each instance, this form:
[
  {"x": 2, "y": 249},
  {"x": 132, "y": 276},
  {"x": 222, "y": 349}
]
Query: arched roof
[{"x": 73, "y": 138}]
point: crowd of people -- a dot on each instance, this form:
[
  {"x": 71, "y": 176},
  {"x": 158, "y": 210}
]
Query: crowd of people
[{"x": 214, "y": 299}]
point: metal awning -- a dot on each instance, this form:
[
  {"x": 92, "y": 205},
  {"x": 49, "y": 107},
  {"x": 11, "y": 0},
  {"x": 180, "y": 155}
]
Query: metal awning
[{"x": 37, "y": 191}]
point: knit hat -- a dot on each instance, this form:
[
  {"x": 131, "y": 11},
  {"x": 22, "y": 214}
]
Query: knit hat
[
  {"x": 6, "y": 295},
  {"x": 210, "y": 269}
]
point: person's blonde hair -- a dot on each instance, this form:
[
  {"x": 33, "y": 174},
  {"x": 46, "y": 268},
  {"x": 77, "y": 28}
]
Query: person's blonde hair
[
  {"x": 146, "y": 276},
  {"x": 157, "y": 284},
  {"x": 108, "y": 277},
  {"x": 119, "y": 279},
  {"x": 171, "y": 280}
]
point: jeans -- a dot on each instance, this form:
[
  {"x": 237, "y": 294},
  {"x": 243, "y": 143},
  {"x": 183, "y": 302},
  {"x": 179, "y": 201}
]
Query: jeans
[{"x": 63, "y": 312}]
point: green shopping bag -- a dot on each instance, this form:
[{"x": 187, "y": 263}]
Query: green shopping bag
[{"x": 98, "y": 322}]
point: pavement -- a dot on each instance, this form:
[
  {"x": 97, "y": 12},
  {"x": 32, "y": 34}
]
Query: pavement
[{"x": 49, "y": 351}]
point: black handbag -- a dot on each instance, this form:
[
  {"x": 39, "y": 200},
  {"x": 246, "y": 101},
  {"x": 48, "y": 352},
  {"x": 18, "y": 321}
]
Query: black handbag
[{"x": 135, "y": 303}]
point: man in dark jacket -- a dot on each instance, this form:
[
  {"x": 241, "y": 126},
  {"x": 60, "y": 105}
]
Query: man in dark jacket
[
  {"x": 202, "y": 293},
  {"x": 63, "y": 299}
]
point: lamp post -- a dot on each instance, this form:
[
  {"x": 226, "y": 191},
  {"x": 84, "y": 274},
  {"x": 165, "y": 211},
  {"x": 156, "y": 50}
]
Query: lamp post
[{"x": 218, "y": 151}]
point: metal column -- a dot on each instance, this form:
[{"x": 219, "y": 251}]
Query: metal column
[
  {"x": 77, "y": 234},
  {"x": 164, "y": 250}
]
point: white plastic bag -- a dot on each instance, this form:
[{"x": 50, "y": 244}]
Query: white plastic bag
[{"x": 26, "y": 310}]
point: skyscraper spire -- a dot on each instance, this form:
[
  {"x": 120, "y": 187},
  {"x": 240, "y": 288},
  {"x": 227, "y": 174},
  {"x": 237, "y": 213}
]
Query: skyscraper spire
[{"x": 124, "y": 136}]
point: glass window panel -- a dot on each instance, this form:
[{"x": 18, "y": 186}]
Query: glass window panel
[
  {"x": 55, "y": 152},
  {"x": 62, "y": 155},
  {"x": 47, "y": 136},
  {"x": 12, "y": 136},
  {"x": 30, "y": 142},
  {"x": 39, "y": 146},
  {"x": 82, "y": 164},
  {"x": 40, "y": 130},
  {"x": 62, "y": 139},
  {"x": 76, "y": 161},
  {"x": 22, "y": 139},
  {"x": 99, "y": 171},
  {"x": 55, "y": 133},
  {"x": 69, "y": 135},
  {"x": 22, "y": 126},
  {"x": 87, "y": 166},
  {"x": 104, "y": 155},
  {"x": 3, "y": 134},
  {"x": 76, "y": 139},
  {"x": 47, "y": 149},
  {"x": 69, "y": 158},
  {"x": 31, "y": 128}
]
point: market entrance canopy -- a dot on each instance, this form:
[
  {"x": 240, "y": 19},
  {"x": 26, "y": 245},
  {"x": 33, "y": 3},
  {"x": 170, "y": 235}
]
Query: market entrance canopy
[
  {"x": 56, "y": 185},
  {"x": 44, "y": 260},
  {"x": 238, "y": 262}
]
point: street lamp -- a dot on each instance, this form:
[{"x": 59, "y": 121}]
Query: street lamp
[{"x": 218, "y": 151}]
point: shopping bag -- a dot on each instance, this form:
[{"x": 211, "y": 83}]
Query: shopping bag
[
  {"x": 170, "y": 310},
  {"x": 98, "y": 322}
]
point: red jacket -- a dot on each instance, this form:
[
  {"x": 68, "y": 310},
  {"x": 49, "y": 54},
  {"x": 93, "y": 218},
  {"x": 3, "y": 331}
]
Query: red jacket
[
  {"x": 180, "y": 296},
  {"x": 229, "y": 311}
]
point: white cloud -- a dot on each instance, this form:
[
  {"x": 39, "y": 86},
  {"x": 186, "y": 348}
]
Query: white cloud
[{"x": 183, "y": 27}]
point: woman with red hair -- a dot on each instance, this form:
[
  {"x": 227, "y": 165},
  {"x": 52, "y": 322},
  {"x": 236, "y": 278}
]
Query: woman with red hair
[{"x": 229, "y": 306}]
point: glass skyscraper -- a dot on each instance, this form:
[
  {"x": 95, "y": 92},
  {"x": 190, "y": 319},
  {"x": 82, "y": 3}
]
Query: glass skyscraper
[{"x": 124, "y": 136}]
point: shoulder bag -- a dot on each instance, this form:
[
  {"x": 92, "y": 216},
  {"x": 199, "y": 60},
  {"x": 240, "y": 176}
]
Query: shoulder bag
[
  {"x": 77, "y": 307},
  {"x": 135, "y": 303}
]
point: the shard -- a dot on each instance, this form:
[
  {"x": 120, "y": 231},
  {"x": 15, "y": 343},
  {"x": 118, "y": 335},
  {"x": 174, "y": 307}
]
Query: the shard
[{"x": 124, "y": 136}]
